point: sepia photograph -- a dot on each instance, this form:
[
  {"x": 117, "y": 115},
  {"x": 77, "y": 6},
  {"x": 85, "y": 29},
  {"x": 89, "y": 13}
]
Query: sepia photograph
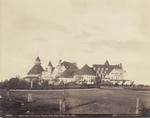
[{"x": 74, "y": 58}]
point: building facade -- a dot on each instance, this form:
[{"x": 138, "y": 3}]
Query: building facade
[
  {"x": 85, "y": 75},
  {"x": 68, "y": 76},
  {"x": 66, "y": 72},
  {"x": 62, "y": 66},
  {"x": 111, "y": 73}
]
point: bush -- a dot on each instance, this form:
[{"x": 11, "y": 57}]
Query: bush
[{"x": 14, "y": 83}]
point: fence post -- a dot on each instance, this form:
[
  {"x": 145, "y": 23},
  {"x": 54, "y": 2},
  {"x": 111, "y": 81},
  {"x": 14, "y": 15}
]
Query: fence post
[
  {"x": 8, "y": 93},
  {"x": 62, "y": 105},
  {"x": 29, "y": 96},
  {"x": 31, "y": 84},
  {"x": 137, "y": 106}
]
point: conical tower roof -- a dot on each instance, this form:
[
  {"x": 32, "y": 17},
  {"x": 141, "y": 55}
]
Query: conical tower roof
[
  {"x": 37, "y": 68},
  {"x": 37, "y": 59},
  {"x": 85, "y": 70},
  {"x": 106, "y": 63},
  {"x": 50, "y": 64}
]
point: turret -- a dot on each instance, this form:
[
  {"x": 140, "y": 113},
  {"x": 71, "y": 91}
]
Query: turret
[
  {"x": 50, "y": 67},
  {"x": 106, "y": 63},
  {"x": 37, "y": 68},
  {"x": 37, "y": 61}
]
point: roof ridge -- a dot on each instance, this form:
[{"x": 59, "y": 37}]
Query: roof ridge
[{"x": 86, "y": 70}]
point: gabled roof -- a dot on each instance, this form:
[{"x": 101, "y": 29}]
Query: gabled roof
[
  {"x": 85, "y": 70},
  {"x": 68, "y": 73},
  {"x": 50, "y": 64},
  {"x": 69, "y": 65}
]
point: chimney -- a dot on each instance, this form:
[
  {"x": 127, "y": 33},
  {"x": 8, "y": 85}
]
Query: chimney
[
  {"x": 60, "y": 62},
  {"x": 75, "y": 63},
  {"x": 121, "y": 65}
]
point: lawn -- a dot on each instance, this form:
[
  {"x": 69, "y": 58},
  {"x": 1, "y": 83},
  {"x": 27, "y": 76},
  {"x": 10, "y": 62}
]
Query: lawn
[{"x": 87, "y": 101}]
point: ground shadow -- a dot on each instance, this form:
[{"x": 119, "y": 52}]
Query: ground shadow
[{"x": 81, "y": 104}]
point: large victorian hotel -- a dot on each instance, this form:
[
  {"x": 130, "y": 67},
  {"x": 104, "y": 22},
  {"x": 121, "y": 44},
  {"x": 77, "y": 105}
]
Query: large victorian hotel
[{"x": 69, "y": 72}]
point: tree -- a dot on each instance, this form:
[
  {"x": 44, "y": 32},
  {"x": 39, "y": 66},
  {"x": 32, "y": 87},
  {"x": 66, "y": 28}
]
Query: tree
[
  {"x": 98, "y": 81},
  {"x": 5, "y": 84},
  {"x": 14, "y": 83},
  {"x": 23, "y": 84}
]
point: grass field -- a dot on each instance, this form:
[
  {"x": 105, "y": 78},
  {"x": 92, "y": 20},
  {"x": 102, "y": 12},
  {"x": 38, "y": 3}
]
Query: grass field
[{"x": 88, "y": 101}]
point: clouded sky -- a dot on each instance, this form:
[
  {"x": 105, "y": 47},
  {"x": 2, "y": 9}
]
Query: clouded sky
[{"x": 82, "y": 31}]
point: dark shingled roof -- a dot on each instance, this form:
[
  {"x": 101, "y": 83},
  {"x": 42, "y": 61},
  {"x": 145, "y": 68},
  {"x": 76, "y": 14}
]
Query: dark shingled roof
[
  {"x": 36, "y": 69},
  {"x": 106, "y": 66},
  {"x": 69, "y": 65},
  {"x": 68, "y": 73},
  {"x": 85, "y": 70}
]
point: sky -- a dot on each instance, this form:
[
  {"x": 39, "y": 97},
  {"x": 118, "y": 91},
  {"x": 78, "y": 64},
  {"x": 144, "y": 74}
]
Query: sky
[{"x": 81, "y": 31}]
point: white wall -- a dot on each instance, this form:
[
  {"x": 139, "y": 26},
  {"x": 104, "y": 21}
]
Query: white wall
[
  {"x": 57, "y": 72},
  {"x": 47, "y": 74},
  {"x": 67, "y": 80},
  {"x": 116, "y": 74},
  {"x": 90, "y": 79}
]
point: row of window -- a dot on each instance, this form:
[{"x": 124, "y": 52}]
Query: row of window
[
  {"x": 100, "y": 68},
  {"x": 90, "y": 77},
  {"x": 115, "y": 77}
]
